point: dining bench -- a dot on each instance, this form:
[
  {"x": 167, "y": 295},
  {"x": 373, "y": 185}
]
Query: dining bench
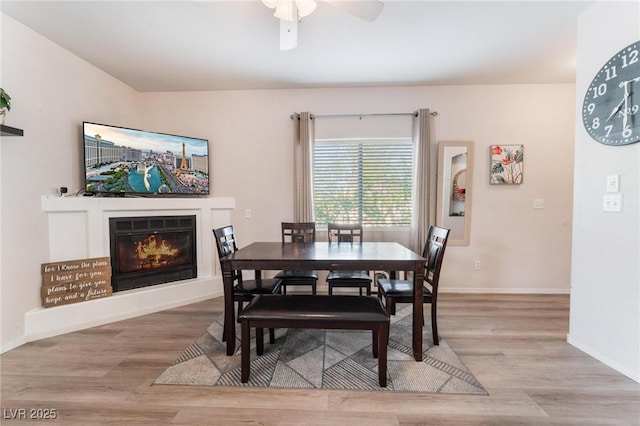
[{"x": 315, "y": 312}]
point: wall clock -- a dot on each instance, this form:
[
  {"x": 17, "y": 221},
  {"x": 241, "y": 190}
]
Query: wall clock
[{"x": 611, "y": 107}]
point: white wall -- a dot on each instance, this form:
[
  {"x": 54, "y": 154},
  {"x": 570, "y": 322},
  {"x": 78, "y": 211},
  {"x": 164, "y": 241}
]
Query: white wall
[
  {"x": 52, "y": 92},
  {"x": 520, "y": 249},
  {"x": 605, "y": 278}
]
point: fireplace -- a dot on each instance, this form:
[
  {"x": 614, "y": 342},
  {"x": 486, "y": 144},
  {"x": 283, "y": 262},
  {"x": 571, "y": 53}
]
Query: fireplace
[{"x": 152, "y": 250}]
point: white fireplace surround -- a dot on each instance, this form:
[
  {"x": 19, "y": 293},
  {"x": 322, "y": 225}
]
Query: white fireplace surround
[{"x": 79, "y": 229}]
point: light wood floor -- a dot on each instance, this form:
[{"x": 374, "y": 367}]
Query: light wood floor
[{"x": 514, "y": 344}]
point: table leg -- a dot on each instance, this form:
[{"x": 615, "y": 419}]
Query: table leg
[
  {"x": 245, "y": 351},
  {"x": 229, "y": 311},
  {"x": 418, "y": 314}
]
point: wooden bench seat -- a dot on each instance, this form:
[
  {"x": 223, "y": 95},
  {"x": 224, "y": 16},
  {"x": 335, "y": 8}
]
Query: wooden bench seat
[{"x": 315, "y": 312}]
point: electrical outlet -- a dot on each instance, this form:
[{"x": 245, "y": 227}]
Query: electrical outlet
[
  {"x": 538, "y": 203},
  {"x": 247, "y": 213},
  {"x": 476, "y": 265}
]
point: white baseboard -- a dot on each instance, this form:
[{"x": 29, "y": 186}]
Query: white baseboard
[
  {"x": 504, "y": 290},
  {"x": 633, "y": 375},
  {"x": 6, "y": 347},
  {"x": 47, "y": 322}
]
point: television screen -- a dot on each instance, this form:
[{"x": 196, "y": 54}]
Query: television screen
[{"x": 125, "y": 161}]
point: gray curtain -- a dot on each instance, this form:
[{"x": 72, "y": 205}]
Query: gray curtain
[
  {"x": 424, "y": 199},
  {"x": 303, "y": 134}
]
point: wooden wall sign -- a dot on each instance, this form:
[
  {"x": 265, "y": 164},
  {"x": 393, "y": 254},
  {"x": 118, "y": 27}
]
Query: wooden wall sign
[{"x": 75, "y": 281}]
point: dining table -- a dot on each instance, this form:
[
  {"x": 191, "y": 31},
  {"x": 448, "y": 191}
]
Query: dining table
[{"x": 367, "y": 256}]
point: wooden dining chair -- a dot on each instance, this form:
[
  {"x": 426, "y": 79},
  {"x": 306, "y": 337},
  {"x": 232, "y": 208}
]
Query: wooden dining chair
[
  {"x": 401, "y": 291},
  {"x": 298, "y": 232},
  {"x": 243, "y": 290},
  {"x": 347, "y": 234}
]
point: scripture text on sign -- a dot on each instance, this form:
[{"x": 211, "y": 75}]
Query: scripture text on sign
[{"x": 75, "y": 281}]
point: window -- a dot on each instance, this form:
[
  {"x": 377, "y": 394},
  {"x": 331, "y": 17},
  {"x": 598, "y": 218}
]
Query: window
[{"x": 368, "y": 181}]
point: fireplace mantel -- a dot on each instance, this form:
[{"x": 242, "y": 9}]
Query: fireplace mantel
[{"x": 79, "y": 229}]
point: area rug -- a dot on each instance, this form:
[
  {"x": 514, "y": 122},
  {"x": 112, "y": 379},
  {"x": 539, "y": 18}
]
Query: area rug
[{"x": 326, "y": 359}]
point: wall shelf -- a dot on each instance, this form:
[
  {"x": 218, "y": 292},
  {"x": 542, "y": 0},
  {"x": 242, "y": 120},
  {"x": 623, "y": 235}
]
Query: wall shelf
[{"x": 10, "y": 131}]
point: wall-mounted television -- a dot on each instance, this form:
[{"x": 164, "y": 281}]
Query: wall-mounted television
[{"x": 123, "y": 161}]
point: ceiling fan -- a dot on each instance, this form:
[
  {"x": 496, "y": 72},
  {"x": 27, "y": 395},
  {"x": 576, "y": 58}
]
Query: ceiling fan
[{"x": 291, "y": 11}]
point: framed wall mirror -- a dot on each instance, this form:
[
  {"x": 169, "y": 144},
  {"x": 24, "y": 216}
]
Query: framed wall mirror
[{"x": 454, "y": 189}]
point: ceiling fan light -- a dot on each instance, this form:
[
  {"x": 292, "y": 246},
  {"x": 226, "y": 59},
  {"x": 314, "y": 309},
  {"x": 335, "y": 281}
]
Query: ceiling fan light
[
  {"x": 289, "y": 13},
  {"x": 305, "y": 7},
  {"x": 285, "y": 10}
]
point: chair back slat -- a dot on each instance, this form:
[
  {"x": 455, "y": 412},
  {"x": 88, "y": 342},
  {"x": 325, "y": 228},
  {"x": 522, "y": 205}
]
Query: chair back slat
[
  {"x": 345, "y": 232},
  {"x": 226, "y": 243},
  {"x": 298, "y": 232},
  {"x": 434, "y": 253}
]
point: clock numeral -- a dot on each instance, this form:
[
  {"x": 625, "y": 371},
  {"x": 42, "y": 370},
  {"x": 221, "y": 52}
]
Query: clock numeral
[
  {"x": 599, "y": 90},
  {"x": 611, "y": 73},
  {"x": 628, "y": 131},
  {"x": 595, "y": 123},
  {"x": 608, "y": 129},
  {"x": 631, "y": 59},
  {"x": 591, "y": 107}
]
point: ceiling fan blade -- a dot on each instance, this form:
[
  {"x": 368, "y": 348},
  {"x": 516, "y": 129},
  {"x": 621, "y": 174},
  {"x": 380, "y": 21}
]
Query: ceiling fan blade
[
  {"x": 363, "y": 9},
  {"x": 288, "y": 34}
]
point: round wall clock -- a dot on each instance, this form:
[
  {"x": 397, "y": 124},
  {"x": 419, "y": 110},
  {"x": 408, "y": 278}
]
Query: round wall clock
[{"x": 611, "y": 107}]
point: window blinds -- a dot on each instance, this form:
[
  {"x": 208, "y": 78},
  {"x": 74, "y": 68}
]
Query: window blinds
[{"x": 364, "y": 180}]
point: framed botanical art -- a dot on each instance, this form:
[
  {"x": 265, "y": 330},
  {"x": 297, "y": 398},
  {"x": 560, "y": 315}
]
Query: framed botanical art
[{"x": 507, "y": 164}]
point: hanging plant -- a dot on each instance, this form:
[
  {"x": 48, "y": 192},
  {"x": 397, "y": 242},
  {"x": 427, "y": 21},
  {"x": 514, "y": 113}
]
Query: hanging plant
[
  {"x": 5, "y": 100},
  {"x": 5, "y": 103}
]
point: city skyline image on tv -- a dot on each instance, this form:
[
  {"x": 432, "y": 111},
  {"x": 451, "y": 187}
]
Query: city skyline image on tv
[{"x": 121, "y": 160}]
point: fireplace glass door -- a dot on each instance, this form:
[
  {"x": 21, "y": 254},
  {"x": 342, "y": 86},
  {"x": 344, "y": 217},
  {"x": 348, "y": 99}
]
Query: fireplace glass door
[{"x": 152, "y": 250}]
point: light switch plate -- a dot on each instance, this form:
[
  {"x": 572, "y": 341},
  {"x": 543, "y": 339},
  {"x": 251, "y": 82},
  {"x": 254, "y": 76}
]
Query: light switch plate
[
  {"x": 538, "y": 203},
  {"x": 612, "y": 203},
  {"x": 613, "y": 183}
]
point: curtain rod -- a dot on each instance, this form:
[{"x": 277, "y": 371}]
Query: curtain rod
[{"x": 414, "y": 114}]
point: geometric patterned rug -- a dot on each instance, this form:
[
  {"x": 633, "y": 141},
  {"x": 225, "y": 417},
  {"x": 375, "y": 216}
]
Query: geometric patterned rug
[{"x": 326, "y": 359}]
